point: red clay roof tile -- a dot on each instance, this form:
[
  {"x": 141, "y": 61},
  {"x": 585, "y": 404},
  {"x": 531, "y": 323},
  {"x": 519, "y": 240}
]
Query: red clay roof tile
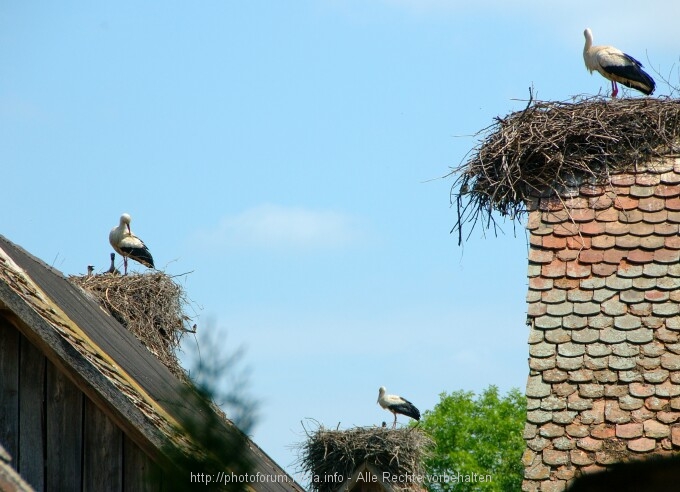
[
  {"x": 669, "y": 177},
  {"x": 628, "y": 270},
  {"x": 566, "y": 283},
  {"x": 591, "y": 190},
  {"x": 640, "y": 256},
  {"x": 652, "y": 242},
  {"x": 560, "y": 309},
  {"x": 627, "y": 242},
  {"x": 568, "y": 254},
  {"x": 640, "y": 335},
  {"x": 630, "y": 296},
  {"x": 554, "y": 269},
  {"x": 652, "y": 204},
  {"x": 640, "y": 308},
  {"x": 613, "y": 255},
  {"x": 656, "y": 217},
  {"x": 641, "y": 229},
  {"x": 540, "y": 255},
  {"x": 607, "y": 215},
  {"x": 565, "y": 229},
  {"x": 612, "y": 335},
  {"x": 550, "y": 203},
  {"x": 553, "y": 242},
  {"x": 648, "y": 180},
  {"x": 667, "y": 190},
  {"x": 642, "y": 444},
  {"x": 592, "y": 283},
  {"x": 592, "y": 228},
  {"x": 586, "y": 308},
  {"x": 667, "y": 255},
  {"x": 672, "y": 242},
  {"x": 604, "y": 269},
  {"x": 555, "y": 217},
  {"x": 577, "y": 270},
  {"x": 591, "y": 256},
  {"x": 554, "y": 296},
  {"x": 640, "y": 191},
  {"x": 614, "y": 307},
  {"x": 622, "y": 179},
  {"x": 578, "y": 242},
  {"x": 582, "y": 215},
  {"x": 623, "y": 202},
  {"x": 666, "y": 229},
  {"x": 557, "y": 336},
  {"x": 630, "y": 216},
  {"x": 538, "y": 283},
  {"x": 579, "y": 295},
  {"x": 603, "y": 202},
  {"x": 600, "y": 321},
  {"x": 586, "y": 336}
]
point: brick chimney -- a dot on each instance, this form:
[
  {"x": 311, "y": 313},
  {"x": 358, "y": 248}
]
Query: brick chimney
[{"x": 603, "y": 305}]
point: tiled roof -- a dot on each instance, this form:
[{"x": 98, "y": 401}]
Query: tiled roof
[{"x": 603, "y": 305}]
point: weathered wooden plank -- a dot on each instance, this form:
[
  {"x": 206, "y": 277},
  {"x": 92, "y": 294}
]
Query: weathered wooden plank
[
  {"x": 32, "y": 415},
  {"x": 64, "y": 427},
  {"x": 102, "y": 452},
  {"x": 140, "y": 472},
  {"x": 9, "y": 389}
]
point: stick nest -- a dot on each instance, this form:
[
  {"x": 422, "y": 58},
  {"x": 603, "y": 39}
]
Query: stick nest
[
  {"x": 149, "y": 305},
  {"x": 397, "y": 451},
  {"x": 551, "y": 148}
]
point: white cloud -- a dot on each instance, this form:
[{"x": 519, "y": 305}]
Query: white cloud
[{"x": 274, "y": 226}]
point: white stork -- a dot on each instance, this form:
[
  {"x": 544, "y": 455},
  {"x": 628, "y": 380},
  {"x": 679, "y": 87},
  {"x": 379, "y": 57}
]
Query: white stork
[
  {"x": 128, "y": 245},
  {"x": 397, "y": 404},
  {"x": 613, "y": 64},
  {"x": 112, "y": 268}
]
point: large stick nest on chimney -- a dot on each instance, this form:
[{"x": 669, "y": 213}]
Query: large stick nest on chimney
[{"x": 551, "y": 148}]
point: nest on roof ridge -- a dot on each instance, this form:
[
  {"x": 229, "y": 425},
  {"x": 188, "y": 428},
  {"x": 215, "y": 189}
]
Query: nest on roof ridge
[
  {"x": 333, "y": 453},
  {"x": 550, "y": 147},
  {"x": 149, "y": 305}
]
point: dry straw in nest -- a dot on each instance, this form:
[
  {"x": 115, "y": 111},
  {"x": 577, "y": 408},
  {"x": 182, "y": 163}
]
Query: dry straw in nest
[
  {"x": 337, "y": 453},
  {"x": 149, "y": 305},
  {"x": 550, "y": 148}
]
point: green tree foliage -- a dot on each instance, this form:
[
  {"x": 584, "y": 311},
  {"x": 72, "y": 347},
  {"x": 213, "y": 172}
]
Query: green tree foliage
[{"x": 481, "y": 436}]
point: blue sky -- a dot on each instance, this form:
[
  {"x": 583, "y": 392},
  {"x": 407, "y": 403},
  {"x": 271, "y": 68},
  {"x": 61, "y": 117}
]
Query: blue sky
[{"x": 289, "y": 155}]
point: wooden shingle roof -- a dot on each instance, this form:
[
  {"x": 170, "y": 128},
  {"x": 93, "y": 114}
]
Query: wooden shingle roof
[{"x": 105, "y": 361}]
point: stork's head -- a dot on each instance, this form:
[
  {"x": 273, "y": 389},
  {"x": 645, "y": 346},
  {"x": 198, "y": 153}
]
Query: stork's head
[
  {"x": 381, "y": 392},
  {"x": 588, "y": 35},
  {"x": 125, "y": 220}
]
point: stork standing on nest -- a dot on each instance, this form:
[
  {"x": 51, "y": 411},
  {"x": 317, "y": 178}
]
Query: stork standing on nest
[
  {"x": 613, "y": 64},
  {"x": 397, "y": 404},
  {"x": 128, "y": 245}
]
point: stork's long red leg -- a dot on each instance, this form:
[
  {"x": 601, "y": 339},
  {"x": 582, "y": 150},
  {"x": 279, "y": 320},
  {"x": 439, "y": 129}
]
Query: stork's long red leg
[
  {"x": 394, "y": 424},
  {"x": 125, "y": 264},
  {"x": 615, "y": 89}
]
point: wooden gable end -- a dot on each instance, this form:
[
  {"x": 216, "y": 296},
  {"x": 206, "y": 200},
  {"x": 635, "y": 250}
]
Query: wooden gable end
[{"x": 59, "y": 438}]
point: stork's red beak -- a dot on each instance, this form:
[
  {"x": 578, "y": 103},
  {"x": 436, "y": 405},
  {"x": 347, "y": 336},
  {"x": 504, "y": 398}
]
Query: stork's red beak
[{"x": 127, "y": 226}]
